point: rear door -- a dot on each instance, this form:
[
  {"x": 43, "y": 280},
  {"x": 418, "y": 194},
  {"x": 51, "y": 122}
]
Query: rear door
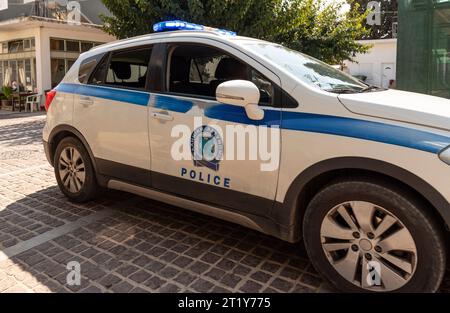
[
  {"x": 111, "y": 110},
  {"x": 205, "y": 150}
]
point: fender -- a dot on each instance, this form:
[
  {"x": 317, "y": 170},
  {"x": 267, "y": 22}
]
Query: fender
[
  {"x": 67, "y": 128},
  {"x": 287, "y": 213}
]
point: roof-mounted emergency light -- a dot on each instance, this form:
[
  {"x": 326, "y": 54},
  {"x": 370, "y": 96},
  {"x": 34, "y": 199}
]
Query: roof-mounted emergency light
[{"x": 182, "y": 25}]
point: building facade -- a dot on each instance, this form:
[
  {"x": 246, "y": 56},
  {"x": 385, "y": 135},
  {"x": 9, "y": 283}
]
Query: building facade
[
  {"x": 424, "y": 47},
  {"x": 378, "y": 66},
  {"x": 37, "y": 50}
]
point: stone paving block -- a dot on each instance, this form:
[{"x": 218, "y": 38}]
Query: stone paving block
[
  {"x": 140, "y": 276},
  {"x": 154, "y": 283}
]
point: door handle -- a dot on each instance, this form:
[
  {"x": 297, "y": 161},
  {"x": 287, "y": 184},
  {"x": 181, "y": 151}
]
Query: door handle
[
  {"x": 86, "y": 101},
  {"x": 163, "y": 116}
]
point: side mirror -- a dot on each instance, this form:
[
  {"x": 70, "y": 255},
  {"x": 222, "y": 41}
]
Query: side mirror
[{"x": 241, "y": 93}]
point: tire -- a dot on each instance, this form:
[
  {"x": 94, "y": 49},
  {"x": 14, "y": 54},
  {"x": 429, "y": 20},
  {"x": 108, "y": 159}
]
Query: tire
[
  {"x": 334, "y": 247},
  {"x": 81, "y": 186}
]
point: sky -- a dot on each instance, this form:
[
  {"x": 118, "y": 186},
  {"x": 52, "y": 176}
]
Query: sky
[
  {"x": 346, "y": 7},
  {"x": 4, "y": 3}
]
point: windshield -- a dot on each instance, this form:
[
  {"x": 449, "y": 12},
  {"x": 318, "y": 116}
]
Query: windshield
[{"x": 308, "y": 69}]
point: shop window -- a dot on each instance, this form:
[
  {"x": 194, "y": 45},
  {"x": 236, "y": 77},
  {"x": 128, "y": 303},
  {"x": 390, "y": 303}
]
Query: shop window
[
  {"x": 57, "y": 44},
  {"x": 13, "y": 69},
  {"x": 86, "y": 46},
  {"x": 27, "y": 44},
  {"x": 72, "y": 46},
  {"x": 58, "y": 70},
  {"x": 6, "y": 74},
  {"x": 15, "y": 46}
]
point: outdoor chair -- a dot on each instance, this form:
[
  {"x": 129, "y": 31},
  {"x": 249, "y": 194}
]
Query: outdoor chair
[{"x": 33, "y": 101}]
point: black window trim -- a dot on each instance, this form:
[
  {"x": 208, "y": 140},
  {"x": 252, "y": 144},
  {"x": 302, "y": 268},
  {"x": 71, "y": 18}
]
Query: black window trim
[
  {"x": 109, "y": 55},
  {"x": 280, "y": 95},
  {"x": 155, "y": 81}
]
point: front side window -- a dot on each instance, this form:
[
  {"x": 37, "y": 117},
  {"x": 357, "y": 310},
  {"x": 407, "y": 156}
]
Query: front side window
[
  {"x": 307, "y": 69},
  {"x": 199, "y": 70},
  {"x": 126, "y": 69}
]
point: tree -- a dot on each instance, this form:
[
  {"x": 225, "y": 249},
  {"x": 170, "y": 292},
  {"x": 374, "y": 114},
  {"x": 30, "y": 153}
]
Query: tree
[
  {"x": 388, "y": 17},
  {"x": 309, "y": 26}
]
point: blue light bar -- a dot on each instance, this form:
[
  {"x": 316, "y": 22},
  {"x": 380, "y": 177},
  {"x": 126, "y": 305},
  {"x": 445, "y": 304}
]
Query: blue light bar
[{"x": 182, "y": 25}]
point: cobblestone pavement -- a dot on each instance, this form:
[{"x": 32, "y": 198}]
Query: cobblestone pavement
[{"x": 126, "y": 243}]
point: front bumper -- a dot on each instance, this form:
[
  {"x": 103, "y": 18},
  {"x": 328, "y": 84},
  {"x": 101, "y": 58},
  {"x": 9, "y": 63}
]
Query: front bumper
[{"x": 47, "y": 151}]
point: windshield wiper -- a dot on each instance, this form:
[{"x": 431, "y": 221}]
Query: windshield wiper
[
  {"x": 342, "y": 90},
  {"x": 370, "y": 88}
]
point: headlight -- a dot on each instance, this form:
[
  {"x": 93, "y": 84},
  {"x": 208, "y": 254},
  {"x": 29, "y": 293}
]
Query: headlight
[{"x": 445, "y": 155}]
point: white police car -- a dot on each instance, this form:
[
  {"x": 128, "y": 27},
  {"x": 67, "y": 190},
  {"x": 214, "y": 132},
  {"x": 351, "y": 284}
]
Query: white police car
[{"x": 360, "y": 173}]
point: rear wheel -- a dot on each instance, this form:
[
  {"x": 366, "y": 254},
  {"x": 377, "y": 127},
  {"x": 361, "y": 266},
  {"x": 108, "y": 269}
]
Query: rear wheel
[
  {"x": 367, "y": 236},
  {"x": 74, "y": 171}
]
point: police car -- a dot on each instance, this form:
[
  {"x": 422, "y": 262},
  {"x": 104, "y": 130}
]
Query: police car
[{"x": 359, "y": 173}]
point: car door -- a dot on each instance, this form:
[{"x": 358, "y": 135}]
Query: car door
[
  {"x": 111, "y": 111},
  {"x": 208, "y": 151}
]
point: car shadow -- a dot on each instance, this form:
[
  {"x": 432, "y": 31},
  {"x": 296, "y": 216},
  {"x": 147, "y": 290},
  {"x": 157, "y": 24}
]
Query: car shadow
[{"x": 128, "y": 243}]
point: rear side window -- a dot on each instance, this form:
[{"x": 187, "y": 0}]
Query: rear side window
[
  {"x": 87, "y": 66},
  {"x": 124, "y": 69}
]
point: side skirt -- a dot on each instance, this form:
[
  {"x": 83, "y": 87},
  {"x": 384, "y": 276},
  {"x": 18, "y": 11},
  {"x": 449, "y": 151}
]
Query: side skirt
[{"x": 201, "y": 208}]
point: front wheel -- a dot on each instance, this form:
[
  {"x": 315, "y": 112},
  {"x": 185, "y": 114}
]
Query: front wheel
[
  {"x": 371, "y": 237},
  {"x": 74, "y": 171}
]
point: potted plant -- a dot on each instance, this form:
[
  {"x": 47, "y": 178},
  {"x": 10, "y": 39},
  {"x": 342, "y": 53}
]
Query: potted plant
[
  {"x": 2, "y": 97},
  {"x": 6, "y": 95}
]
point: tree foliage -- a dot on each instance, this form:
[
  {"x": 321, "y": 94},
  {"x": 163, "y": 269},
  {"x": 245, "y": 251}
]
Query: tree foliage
[{"x": 310, "y": 26}]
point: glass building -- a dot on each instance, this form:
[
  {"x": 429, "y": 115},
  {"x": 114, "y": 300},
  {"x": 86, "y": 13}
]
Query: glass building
[{"x": 423, "y": 58}]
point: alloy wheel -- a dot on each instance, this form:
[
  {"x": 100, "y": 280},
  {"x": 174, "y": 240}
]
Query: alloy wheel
[
  {"x": 72, "y": 169},
  {"x": 368, "y": 246}
]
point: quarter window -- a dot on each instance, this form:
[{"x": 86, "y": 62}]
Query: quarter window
[{"x": 126, "y": 69}]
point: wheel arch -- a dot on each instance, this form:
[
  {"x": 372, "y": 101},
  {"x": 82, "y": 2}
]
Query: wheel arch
[
  {"x": 62, "y": 131},
  {"x": 290, "y": 213}
]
